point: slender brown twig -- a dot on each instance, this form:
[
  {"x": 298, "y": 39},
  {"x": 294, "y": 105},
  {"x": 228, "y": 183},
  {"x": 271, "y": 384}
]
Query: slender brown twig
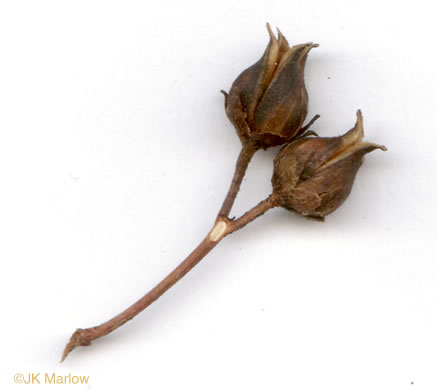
[
  {"x": 247, "y": 151},
  {"x": 222, "y": 227}
]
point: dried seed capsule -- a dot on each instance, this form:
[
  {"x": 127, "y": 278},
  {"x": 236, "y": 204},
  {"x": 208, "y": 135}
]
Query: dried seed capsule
[
  {"x": 314, "y": 176},
  {"x": 268, "y": 102}
]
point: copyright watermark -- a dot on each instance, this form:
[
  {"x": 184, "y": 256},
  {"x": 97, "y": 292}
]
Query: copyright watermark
[{"x": 46, "y": 378}]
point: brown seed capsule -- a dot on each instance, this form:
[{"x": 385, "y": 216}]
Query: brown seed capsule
[
  {"x": 314, "y": 176},
  {"x": 268, "y": 102}
]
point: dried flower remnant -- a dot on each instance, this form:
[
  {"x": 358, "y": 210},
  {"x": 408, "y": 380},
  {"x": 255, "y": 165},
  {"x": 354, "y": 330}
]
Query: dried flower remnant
[
  {"x": 268, "y": 102},
  {"x": 314, "y": 176}
]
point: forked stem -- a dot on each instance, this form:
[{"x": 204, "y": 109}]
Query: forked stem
[{"x": 222, "y": 227}]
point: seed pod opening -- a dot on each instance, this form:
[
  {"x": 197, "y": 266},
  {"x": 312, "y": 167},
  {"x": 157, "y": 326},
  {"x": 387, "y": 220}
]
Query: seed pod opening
[
  {"x": 314, "y": 176},
  {"x": 268, "y": 102}
]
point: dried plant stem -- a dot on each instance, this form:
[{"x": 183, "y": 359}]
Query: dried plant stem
[
  {"x": 246, "y": 154},
  {"x": 222, "y": 227}
]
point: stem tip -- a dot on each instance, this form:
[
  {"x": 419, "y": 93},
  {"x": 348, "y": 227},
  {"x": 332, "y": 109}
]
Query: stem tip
[{"x": 78, "y": 338}]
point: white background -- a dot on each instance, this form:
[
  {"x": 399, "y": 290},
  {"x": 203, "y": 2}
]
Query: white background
[{"x": 115, "y": 156}]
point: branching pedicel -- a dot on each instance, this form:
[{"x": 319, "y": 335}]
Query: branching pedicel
[{"x": 312, "y": 175}]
